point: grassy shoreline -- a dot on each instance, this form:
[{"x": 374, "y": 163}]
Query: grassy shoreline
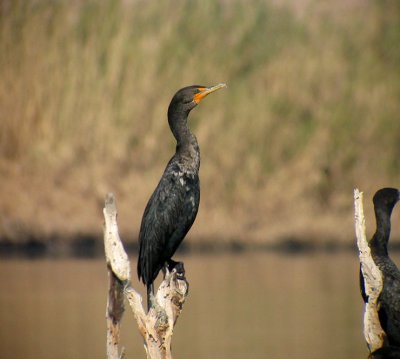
[{"x": 311, "y": 111}]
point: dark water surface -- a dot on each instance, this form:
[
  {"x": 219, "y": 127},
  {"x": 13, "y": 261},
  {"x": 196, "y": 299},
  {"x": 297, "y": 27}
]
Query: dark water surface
[{"x": 251, "y": 305}]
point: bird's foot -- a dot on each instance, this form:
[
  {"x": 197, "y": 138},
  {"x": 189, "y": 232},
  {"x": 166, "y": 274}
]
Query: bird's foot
[{"x": 170, "y": 265}]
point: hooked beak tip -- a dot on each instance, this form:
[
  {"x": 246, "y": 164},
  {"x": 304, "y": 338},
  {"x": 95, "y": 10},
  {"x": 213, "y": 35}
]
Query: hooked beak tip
[{"x": 206, "y": 91}]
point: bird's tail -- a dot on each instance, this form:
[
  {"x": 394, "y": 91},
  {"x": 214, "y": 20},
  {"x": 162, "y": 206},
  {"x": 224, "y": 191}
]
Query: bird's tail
[{"x": 150, "y": 293}]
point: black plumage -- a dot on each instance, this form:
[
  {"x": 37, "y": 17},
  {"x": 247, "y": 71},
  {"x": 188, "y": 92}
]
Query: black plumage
[
  {"x": 388, "y": 352},
  {"x": 389, "y": 300},
  {"x": 173, "y": 206}
]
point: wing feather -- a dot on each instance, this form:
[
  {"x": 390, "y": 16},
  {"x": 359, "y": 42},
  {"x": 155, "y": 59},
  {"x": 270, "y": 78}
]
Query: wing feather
[{"x": 162, "y": 219}]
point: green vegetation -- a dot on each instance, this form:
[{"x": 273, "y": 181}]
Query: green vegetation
[{"x": 313, "y": 98}]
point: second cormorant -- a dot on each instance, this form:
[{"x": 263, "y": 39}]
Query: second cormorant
[
  {"x": 389, "y": 300},
  {"x": 173, "y": 206}
]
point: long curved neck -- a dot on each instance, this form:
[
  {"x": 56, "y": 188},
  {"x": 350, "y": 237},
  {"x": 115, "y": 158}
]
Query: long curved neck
[
  {"x": 379, "y": 241},
  {"x": 186, "y": 143},
  {"x": 178, "y": 124}
]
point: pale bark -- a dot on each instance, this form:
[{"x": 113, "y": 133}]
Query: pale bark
[{"x": 373, "y": 281}]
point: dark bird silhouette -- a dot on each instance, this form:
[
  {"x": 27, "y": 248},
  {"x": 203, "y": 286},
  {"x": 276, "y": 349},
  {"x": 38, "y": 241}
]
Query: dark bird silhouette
[
  {"x": 389, "y": 312},
  {"x": 386, "y": 353},
  {"x": 173, "y": 206}
]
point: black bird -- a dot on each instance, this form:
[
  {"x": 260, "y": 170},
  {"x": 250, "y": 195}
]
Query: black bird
[
  {"x": 389, "y": 312},
  {"x": 173, "y": 206}
]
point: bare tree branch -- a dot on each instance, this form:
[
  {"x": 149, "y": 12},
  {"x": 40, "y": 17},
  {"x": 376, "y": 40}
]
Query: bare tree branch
[
  {"x": 115, "y": 311},
  {"x": 116, "y": 256},
  {"x": 373, "y": 282}
]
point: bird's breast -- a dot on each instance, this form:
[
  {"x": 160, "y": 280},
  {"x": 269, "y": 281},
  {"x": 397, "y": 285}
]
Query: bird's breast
[{"x": 188, "y": 180}]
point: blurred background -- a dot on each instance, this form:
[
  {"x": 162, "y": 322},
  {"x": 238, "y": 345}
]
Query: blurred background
[{"x": 311, "y": 112}]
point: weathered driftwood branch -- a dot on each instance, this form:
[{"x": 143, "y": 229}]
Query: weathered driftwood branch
[
  {"x": 156, "y": 326},
  {"x": 118, "y": 274},
  {"x": 115, "y": 310},
  {"x": 373, "y": 282}
]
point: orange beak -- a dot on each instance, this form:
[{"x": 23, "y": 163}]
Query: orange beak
[{"x": 204, "y": 91}]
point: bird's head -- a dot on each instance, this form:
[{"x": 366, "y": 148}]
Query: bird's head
[
  {"x": 386, "y": 199},
  {"x": 189, "y": 97}
]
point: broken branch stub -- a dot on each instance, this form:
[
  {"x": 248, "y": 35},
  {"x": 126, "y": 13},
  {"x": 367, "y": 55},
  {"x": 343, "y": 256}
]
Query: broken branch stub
[{"x": 116, "y": 256}]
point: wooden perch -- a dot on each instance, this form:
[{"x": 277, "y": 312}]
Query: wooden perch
[
  {"x": 373, "y": 281},
  {"x": 156, "y": 326}
]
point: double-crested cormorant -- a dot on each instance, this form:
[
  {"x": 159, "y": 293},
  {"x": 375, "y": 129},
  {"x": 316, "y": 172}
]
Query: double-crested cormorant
[
  {"x": 173, "y": 206},
  {"x": 389, "y": 299}
]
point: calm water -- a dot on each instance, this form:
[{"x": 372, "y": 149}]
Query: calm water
[{"x": 240, "y": 306}]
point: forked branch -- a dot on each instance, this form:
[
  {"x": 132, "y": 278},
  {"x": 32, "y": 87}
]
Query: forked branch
[{"x": 156, "y": 326}]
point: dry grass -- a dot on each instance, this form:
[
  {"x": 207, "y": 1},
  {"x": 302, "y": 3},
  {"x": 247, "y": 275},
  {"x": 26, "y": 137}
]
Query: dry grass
[{"x": 310, "y": 112}]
